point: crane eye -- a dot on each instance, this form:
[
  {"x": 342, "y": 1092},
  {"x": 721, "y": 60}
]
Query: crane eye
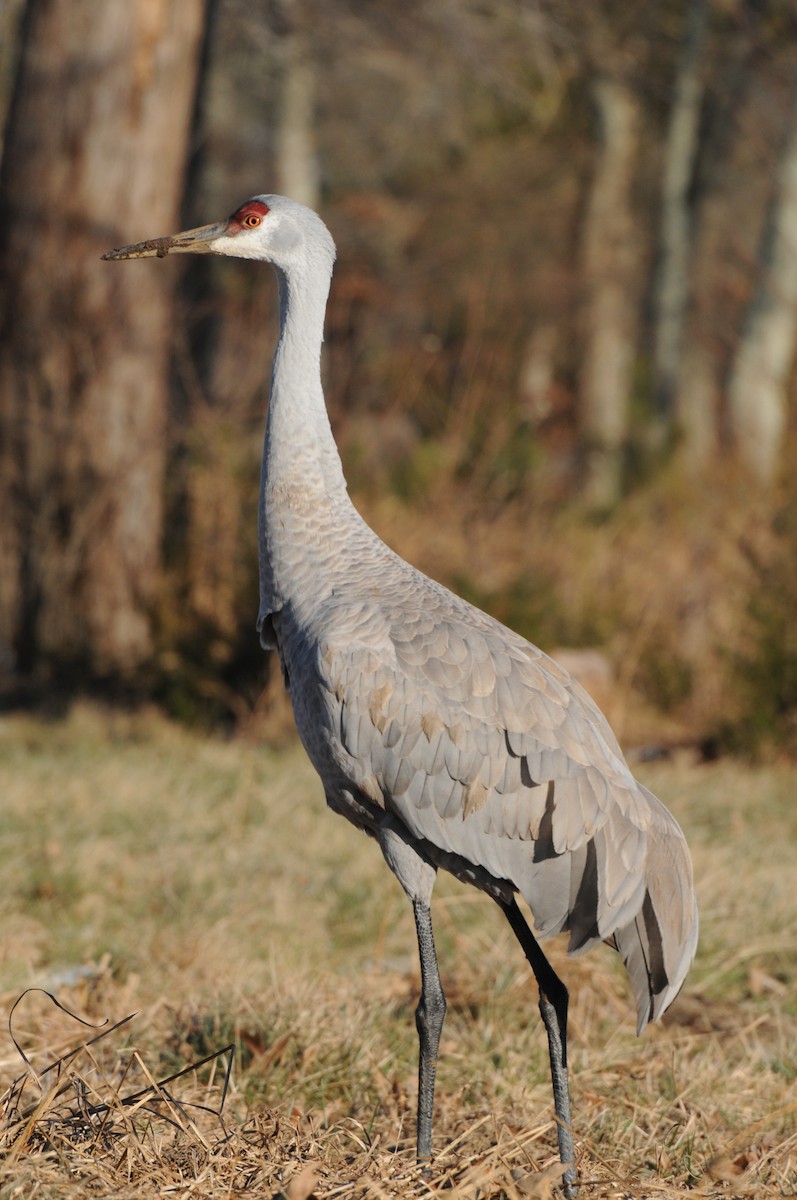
[{"x": 248, "y": 216}]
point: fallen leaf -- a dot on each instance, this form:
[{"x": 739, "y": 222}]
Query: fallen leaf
[
  {"x": 723, "y": 1169},
  {"x": 760, "y": 981},
  {"x": 301, "y": 1187},
  {"x": 663, "y": 1161},
  {"x": 538, "y": 1185}
]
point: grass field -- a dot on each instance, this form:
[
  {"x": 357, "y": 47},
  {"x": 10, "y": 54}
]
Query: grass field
[{"x": 203, "y": 885}]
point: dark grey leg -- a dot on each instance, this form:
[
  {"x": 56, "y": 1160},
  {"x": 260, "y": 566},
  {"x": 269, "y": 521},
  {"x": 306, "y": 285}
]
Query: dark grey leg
[
  {"x": 429, "y": 1017},
  {"x": 553, "y": 1010}
]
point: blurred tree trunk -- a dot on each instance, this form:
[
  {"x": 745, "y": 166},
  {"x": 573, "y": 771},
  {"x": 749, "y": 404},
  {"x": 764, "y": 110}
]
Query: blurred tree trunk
[
  {"x": 95, "y": 156},
  {"x": 11, "y": 12},
  {"x": 297, "y": 162},
  {"x": 610, "y": 323},
  {"x": 757, "y": 388},
  {"x": 672, "y": 284},
  {"x": 721, "y": 213}
]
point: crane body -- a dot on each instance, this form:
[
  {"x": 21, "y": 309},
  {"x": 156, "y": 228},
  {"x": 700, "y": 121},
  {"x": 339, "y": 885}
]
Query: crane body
[{"x": 446, "y": 736}]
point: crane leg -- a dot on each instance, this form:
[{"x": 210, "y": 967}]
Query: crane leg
[
  {"x": 429, "y": 1017},
  {"x": 553, "y": 1010}
]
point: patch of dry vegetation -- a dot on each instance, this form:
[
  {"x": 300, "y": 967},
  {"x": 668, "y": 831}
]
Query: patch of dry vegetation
[
  {"x": 661, "y": 585},
  {"x": 202, "y": 884}
]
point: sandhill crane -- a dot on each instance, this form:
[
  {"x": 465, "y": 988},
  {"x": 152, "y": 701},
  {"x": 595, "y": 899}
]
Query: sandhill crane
[{"x": 441, "y": 733}]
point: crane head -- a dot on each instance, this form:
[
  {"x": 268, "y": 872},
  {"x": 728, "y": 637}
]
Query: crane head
[{"x": 269, "y": 228}]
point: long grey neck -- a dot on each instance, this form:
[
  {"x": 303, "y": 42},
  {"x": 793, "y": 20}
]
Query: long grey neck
[
  {"x": 300, "y": 452},
  {"x": 303, "y": 494}
]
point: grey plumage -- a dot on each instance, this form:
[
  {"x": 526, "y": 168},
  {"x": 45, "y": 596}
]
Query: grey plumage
[
  {"x": 443, "y": 734},
  {"x": 497, "y": 765}
]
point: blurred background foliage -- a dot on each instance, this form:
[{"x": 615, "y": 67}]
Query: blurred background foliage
[{"x": 560, "y": 342}]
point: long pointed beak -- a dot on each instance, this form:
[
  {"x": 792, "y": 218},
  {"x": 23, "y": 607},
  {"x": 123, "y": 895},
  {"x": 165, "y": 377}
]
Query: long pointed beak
[{"x": 192, "y": 241}]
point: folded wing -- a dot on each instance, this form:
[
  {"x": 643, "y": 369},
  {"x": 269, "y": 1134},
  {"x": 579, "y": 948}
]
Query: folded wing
[{"x": 487, "y": 751}]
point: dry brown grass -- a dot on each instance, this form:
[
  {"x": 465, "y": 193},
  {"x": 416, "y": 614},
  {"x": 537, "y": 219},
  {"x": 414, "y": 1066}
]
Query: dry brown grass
[
  {"x": 661, "y": 585},
  {"x": 202, "y": 884}
]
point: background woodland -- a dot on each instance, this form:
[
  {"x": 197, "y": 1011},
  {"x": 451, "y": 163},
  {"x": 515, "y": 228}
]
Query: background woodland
[{"x": 560, "y": 355}]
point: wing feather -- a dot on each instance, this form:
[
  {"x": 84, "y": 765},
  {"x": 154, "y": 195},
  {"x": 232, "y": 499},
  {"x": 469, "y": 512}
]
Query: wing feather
[{"x": 501, "y": 765}]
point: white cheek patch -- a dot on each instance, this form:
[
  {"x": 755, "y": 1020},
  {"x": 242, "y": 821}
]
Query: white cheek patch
[{"x": 284, "y": 236}]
